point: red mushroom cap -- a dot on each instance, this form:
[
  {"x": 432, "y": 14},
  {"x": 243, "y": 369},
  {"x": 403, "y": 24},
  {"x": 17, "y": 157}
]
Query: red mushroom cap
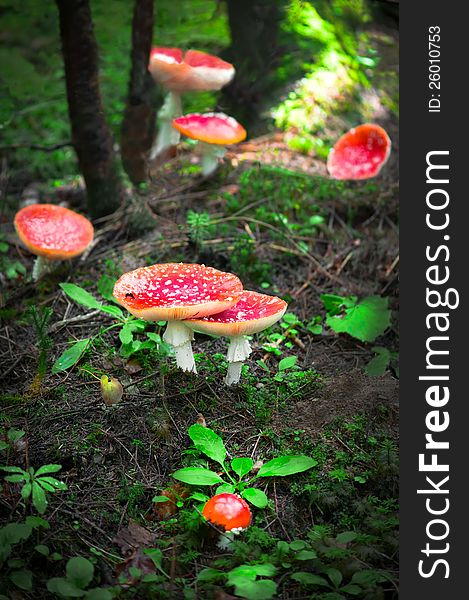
[
  {"x": 194, "y": 71},
  {"x": 55, "y": 232},
  {"x": 252, "y": 313},
  {"x": 228, "y": 511},
  {"x": 360, "y": 153},
  {"x": 213, "y": 128},
  {"x": 176, "y": 291}
]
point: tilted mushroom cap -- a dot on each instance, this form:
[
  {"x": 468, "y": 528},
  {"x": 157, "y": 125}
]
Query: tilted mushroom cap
[
  {"x": 229, "y": 511},
  {"x": 176, "y": 291},
  {"x": 252, "y": 313},
  {"x": 360, "y": 153},
  {"x": 55, "y": 232},
  {"x": 212, "y": 128},
  {"x": 194, "y": 71}
]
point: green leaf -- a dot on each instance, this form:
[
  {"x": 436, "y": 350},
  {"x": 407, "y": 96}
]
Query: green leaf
[
  {"x": 80, "y": 296},
  {"x": 225, "y": 488},
  {"x": 36, "y": 522},
  {"x": 71, "y": 356},
  {"x": 79, "y": 571},
  {"x": 242, "y": 466},
  {"x": 42, "y": 549},
  {"x": 14, "y": 478},
  {"x": 126, "y": 334},
  {"x": 15, "y": 434},
  {"x": 13, "y": 533},
  {"x": 287, "y": 363},
  {"x": 22, "y": 579},
  {"x": 333, "y": 303},
  {"x": 365, "y": 321},
  {"x": 306, "y": 555},
  {"x": 308, "y": 579},
  {"x": 208, "y": 442},
  {"x": 54, "y": 483},
  {"x": 39, "y": 498},
  {"x": 251, "y": 572},
  {"x": 158, "y": 499},
  {"x": 345, "y": 537},
  {"x": 210, "y": 575},
  {"x": 114, "y": 311},
  {"x": 255, "y": 497},
  {"x": 63, "y": 587},
  {"x": 197, "y": 476},
  {"x": 286, "y": 465},
  {"x": 52, "y": 468},
  {"x": 265, "y": 589},
  {"x": 26, "y": 491},
  {"x": 98, "y": 594},
  {"x": 334, "y": 575},
  {"x": 297, "y": 545},
  {"x": 368, "y": 578},
  {"x": 199, "y": 497},
  {"x": 378, "y": 364},
  {"x": 13, "y": 470},
  {"x": 352, "y": 589},
  {"x": 105, "y": 287}
]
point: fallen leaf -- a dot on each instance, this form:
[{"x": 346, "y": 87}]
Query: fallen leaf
[{"x": 134, "y": 536}]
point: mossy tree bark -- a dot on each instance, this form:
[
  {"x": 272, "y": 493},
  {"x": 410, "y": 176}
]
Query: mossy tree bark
[
  {"x": 138, "y": 126},
  {"x": 91, "y": 137}
]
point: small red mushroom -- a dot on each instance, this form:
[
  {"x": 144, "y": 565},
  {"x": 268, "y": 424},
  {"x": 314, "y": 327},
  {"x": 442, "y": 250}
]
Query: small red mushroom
[
  {"x": 229, "y": 511},
  {"x": 213, "y": 131},
  {"x": 360, "y": 153},
  {"x": 179, "y": 73},
  {"x": 252, "y": 313},
  {"x": 175, "y": 291},
  {"x": 52, "y": 233}
]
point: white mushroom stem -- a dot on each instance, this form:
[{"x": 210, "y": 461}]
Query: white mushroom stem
[
  {"x": 167, "y": 135},
  {"x": 210, "y": 155},
  {"x": 238, "y": 351},
  {"x": 42, "y": 266},
  {"x": 180, "y": 338}
]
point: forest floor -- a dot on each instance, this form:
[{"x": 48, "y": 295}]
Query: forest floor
[{"x": 272, "y": 216}]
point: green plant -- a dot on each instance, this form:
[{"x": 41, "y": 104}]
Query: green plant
[
  {"x": 200, "y": 226},
  {"x": 362, "y": 319},
  {"x": 14, "y": 569},
  {"x": 381, "y": 361},
  {"x": 11, "y": 269},
  {"x": 211, "y": 444},
  {"x": 128, "y": 325},
  {"x": 36, "y": 484},
  {"x": 11, "y": 437},
  {"x": 79, "y": 573}
]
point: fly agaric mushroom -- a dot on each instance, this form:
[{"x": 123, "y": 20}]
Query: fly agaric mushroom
[
  {"x": 175, "y": 291},
  {"x": 213, "y": 131},
  {"x": 360, "y": 153},
  {"x": 252, "y": 313},
  {"x": 179, "y": 73},
  {"x": 229, "y": 511},
  {"x": 53, "y": 233}
]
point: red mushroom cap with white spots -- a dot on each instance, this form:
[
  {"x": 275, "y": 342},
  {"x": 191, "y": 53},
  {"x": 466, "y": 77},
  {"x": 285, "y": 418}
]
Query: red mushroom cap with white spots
[
  {"x": 194, "y": 71},
  {"x": 252, "y": 313},
  {"x": 54, "y": 232},
  {"x": 229, "y": 511},
  {"x": 176, "y": 291},
  {"x": 360, "y": 153},
  {"x": 212, "y": 128}
]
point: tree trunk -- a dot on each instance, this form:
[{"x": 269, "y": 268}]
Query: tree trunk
[
  {"x": 253, "y": 51},
  {"x": 90, "y": 134},
  {"x": 138, "y": 126}
]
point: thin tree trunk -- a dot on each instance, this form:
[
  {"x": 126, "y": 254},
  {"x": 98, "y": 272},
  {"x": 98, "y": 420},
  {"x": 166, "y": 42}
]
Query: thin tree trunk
[
  {"x": 138, "y": 126},
  {"x": 90, "y": 134}
]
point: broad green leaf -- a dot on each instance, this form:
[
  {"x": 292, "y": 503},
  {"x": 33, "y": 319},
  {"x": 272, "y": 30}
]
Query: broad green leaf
[
  {"x": 105, "y": 287},
  {"x": 126, "y": 334},
  {"x": 13, "y": 533},
  {"x": 251, "y": 572},
  {"x": 334, "y": 575},
  {"x": 333, "y": 304},
  {"x": 307, "y": 579},
  {"x": 26, "y": 491},
  {"x": 64, "y": 588},
  {"x": 42, "y": 549},
  {"x": 242, "y": 466},
  {"x": 225, "y": 488},
  {"x": 264, "y": 589},
  {"x": 15, "y": 434},
  {"x": 256, "y": 497},
  {"x": 379, "y": 363},
  {"x": 52, "y": 468},
  {"x": 208, "y": 442},
  {"x": 368, "y": 578},
  {"x": 158, "y": 499},
  {"x": 13, "y": 470},
  {"x": 365, "y": 321},
  {"x": 114, "y": 311},
  {"x": 199, "y": 497},
  {"x": 297, "y": 545},
  {"x": 306, "y": 555},
  {"x": 53, "y": 483},
  {"x": 286, "y": 465},
  {"x": 71, "y": 356},
  {"x": 14, "y": 478},
  {"x": 39, "y": 498},
  {"x": 287, "y": 363},
  {"x": 352, "y": 589},
  {"x": 156, "y": 555},
  {"x": 79, "y": 571},
  {"x": 345, "y": 537},
  {"x": 197, "y": 476},
  {"x": 22, "y": 579},
  {"x": 80, "y": 296},
  {"x": 210, "y": 575},
  {"x": 98, "y": 594},
  {"x": 36, "y": 522}
]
